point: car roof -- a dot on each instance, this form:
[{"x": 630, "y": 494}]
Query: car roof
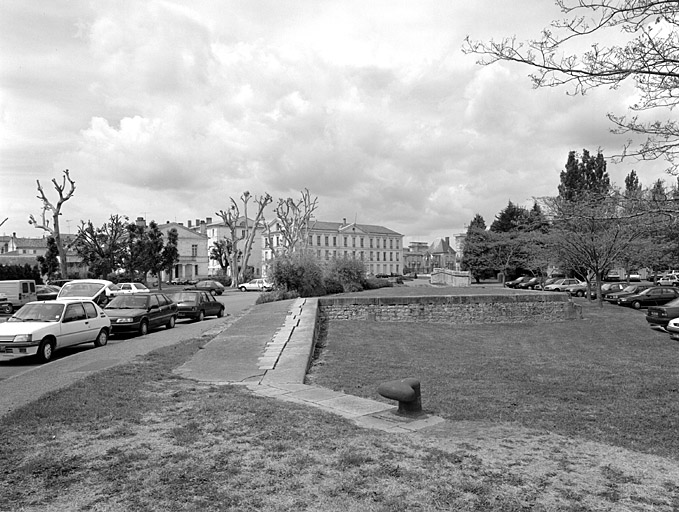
[
  {"x": 94, "y": 281},
  {"x": 67, "y": 300}
]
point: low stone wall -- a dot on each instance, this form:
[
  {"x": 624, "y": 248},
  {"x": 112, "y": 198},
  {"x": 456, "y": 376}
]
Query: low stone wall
[{"x": 458, "y": 309}]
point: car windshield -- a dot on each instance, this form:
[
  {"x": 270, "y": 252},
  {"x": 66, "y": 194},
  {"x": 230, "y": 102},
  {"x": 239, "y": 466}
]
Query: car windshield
[
  {"x": 183, "y": 297},
  {"x": 38, "y": 312},
  {"x": 80, "y": 289},
  {"x": 630, "y": 289},
  {"x": 127, "y": 302}
]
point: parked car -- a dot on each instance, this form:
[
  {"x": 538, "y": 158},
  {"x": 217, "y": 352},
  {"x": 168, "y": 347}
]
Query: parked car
[
  {"x": 100, "y": 291},
  {"x": 673, "y": 328},
  {"x": 653, "y": 296},
  {"x": 196, "y": 304},
  {"x": 41, "y": 328},
  {"x": 128, "y": 288},
  {"x": 607, "y": 288},
  {"x": 634, "y": 275},
  {"x": 580, "y": 289},
  {"x": 560, "y": 284},
  {"x": 5, "y": 305},
  {"x": 46, "y": 291},
  {"x": 514, "y": 282},
  {"x": 18, "y": 292},
  {"x": 659, "y": 316},
  {"x": 257, "y": 285},
  {"x": 669, "y": 280},
  {"x": 548, "y": 281},
  {"x": 613, "y": 275},
  {"x": 141, "y": 312},
  {"x": 530, "y": 284},
  {"x": 208, "y": 286},
  {"x": 631, "y": 289}
]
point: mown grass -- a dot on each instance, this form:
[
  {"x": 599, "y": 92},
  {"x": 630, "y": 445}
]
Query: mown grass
[
  {"x": 139, "y": 438},
  {"x": 606, "y": 378}
]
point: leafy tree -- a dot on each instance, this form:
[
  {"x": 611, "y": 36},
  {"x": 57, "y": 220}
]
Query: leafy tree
[
  {"x": 299, "y": 272},
  {"x": 103, "y": 249},
  {"x": 477, "y": 223},
  {"x": 49, "y": 263},
  {"x": 632, "y": 185},
  {"x": 55, "y": 210},
  {"x": 647, "y": 56},
  {"x": 587, "y": 176},
  {"x": 220, "y": 252},
  {"x": 476, "y": 251},
  {"x": 148, "y": 252},
  {"x": 509, "y": 219}
]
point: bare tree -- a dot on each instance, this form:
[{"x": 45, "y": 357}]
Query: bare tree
[
  {"x": 241, "y": 229},
  {"x": 6, "y": 218},
  {"x": 65, "y": 189},
  {"x": 648, "y": 57},
  {"x": 293, "y": 218}
]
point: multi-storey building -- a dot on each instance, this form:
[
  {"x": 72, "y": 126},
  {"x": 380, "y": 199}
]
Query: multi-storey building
[{"x": 379, "y": 248}]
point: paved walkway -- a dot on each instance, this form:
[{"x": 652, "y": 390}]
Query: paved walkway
[{"x": 269, "y": 349}]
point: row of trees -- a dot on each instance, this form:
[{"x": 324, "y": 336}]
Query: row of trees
[{"x": 590, "y": 227}]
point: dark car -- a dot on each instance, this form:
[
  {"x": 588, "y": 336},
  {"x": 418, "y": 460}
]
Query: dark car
[
  {"x": 46, "y": 291},
  {"x": 529, "y": 285},
  {"x": 208, "y": 286},
  {"x": 141, "y": 312},
  {"x": 631, "y": 289},
  {"x": 659, "y": 316},
  {"x": 654, "y": 296},
  {"x": 515, "y": 282},
  {"x": 197, "y": 304}
]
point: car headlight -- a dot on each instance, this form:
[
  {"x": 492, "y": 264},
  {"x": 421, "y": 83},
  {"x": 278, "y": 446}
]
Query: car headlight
[
  {"x": 23, "y": 338},
  {"x": 125, "y": 320}
]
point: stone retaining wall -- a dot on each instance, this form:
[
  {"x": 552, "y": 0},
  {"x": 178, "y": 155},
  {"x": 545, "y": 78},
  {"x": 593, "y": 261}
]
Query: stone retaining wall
[{"x": 458, "y": 309}]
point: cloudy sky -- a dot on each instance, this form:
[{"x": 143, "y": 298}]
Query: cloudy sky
[{"x": 165, "y": 109}]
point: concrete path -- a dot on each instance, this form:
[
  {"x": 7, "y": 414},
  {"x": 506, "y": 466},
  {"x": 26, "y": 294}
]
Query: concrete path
[{"x": 269, "y": 349}]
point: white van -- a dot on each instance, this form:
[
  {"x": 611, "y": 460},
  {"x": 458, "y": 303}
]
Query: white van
[{"x": 19, "y": 292}]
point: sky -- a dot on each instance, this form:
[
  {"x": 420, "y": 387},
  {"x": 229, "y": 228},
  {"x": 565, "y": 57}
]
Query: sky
[{"x": 166, "y": 109}]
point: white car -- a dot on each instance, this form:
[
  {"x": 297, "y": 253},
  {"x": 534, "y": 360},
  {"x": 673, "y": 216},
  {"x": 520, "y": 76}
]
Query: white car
[
  {"x": 100, "y": 291},
  {"x": 128, "y": 288},
  {"x": 258, "y": 285},
  {"x": 560, "y": 285},
  {"x": 41, "y": 328},
  {"x": 669, "y": 280}
]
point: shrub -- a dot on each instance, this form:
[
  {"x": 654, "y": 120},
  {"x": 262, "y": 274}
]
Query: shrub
[
  {"x": 374, "y": 284},
  {"x": 300, "y": 273},
  {"x": 349, "y": 272},
  {"x": 275, "y": 295},
  {"x": 333, "y": 286}
]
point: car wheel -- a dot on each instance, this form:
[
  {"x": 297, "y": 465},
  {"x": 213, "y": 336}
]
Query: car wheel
[
  {"x": 6, "y": 309},
  {"x": 579, "y": 293},
  {"x": 46, "y": 350},
  {"x": 144, "y": 328},
  {"x": 171, "y": 322},
  {"x": 636, "y": 304},
  {"x": 220, "y": 313},
  {"x": 242, "y": 288},
  {"x": 201, "y": 316},
  {"x": 101, "y": 339}
]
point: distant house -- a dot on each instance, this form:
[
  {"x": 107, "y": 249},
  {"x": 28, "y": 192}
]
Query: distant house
[
  {"x": 441, "y": 254},
  {"x": 193, "y": 253},
  {"x": 16, "y": 250}
]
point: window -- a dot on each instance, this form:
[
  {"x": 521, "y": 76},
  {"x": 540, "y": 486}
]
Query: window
[
  {"x": 391, "y": 256},
  {"x": 371, "y": 243},
  {"x": 90, "y": 310},
  {"x": 153, "y": 301},
  {"x": 378, "y": 255},
  {"x": 327, "y": 239},
  {"x": 391, "y": 243},
  {"x": 311, "y": 239},
  {"x": 194, "y": 250},
  {"x": 74, "y": 312},
  {"x": 334, "y": 241},
  {"x": 361, "y": 242},
  {"x": 318, "y": 240},
  {"x": 346, "y": 241},
  {"x": 195, "y": 270},
  {"x": 353, "y": 241}
]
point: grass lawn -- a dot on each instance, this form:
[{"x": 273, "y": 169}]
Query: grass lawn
[
  {"x": 607, "y": 378},
  {"x": 567, "y": 417}
]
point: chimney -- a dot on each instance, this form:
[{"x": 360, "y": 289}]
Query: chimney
[
  {"x": 208, "y": 220},
  {"x": 140, "y": 222},
  {"x": 344, "y": 221},
  {"x": 188, "y": 223},
  {"x": 197, "y": 222}
]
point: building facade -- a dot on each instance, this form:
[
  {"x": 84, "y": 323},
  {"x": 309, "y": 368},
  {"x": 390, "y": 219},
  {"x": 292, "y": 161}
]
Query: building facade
[
  {"x": 193, "y": 253},
  {"x": 379, "y": 248}
]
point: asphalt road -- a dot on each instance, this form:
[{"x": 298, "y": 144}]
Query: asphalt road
[{"x": 23, "y": 380}]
